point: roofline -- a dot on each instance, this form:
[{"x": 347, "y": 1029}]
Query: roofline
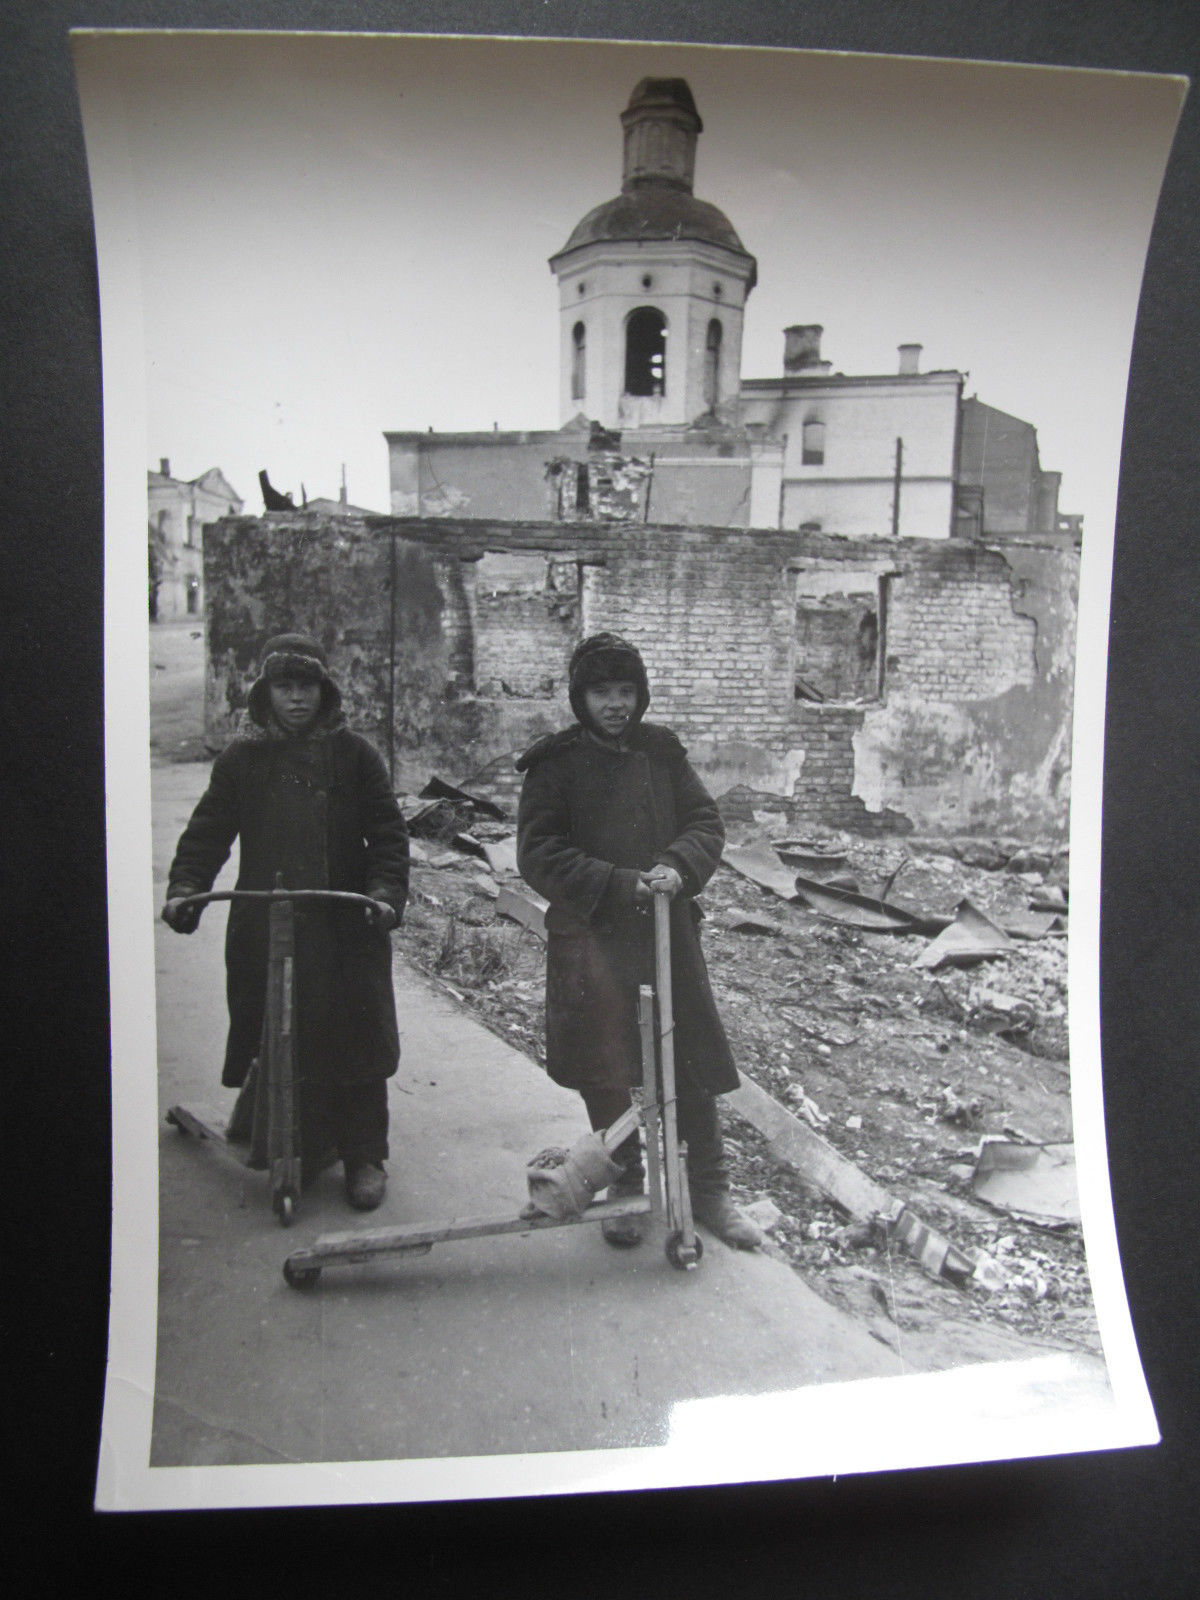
[
  {"x": 857, "y": 380},
  {"x": 740, "y": 253}
]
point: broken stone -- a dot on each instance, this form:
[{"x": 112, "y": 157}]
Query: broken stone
[
  {"x": 854, "y": 1123},
  {"x": 764, "y": 1213},
  {"x": 983, "y": 853}
]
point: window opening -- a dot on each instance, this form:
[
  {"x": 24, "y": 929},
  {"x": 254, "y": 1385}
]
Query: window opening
[
  {"x": 646, "y": 352},
  {"x": 839, "y": 627},
  {"x": 578, "y": 361},
  {"x": 712, "y": 364},
  {"x": 813, "y": 452}
]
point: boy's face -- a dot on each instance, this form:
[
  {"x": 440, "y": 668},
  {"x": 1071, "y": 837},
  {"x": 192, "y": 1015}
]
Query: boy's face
[
  {"x": 295, "y": 702},
  {"x": 611, "y": 705}
]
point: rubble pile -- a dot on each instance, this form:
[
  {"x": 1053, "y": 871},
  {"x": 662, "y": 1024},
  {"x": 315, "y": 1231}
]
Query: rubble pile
[{"x": 904, "y": 1070}]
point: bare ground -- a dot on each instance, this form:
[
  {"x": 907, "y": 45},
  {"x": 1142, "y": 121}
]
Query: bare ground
[{"x": 899, "y": 1071}]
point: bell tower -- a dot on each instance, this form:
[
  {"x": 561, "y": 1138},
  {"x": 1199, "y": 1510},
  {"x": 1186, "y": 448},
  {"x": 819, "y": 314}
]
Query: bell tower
[{"x": 652, "y": 285}]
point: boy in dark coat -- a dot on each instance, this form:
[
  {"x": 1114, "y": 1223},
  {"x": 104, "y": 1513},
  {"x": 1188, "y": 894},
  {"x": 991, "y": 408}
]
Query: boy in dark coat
[
  {"x": 611, "y": 809},
  {"x": 311, "y": 801}
]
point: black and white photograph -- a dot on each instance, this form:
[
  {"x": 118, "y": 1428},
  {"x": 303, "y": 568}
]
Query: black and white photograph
[{"x": 608, "y": 552}]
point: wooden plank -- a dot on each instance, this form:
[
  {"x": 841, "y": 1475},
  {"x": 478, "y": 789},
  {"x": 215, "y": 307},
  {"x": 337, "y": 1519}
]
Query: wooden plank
[
  {"x": 811, "y": 1156},
  {"x": 363, "y": 1245}
]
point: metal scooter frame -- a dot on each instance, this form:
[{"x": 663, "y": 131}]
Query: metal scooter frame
[
  {"x": 277, "y": 1056},
  {"x": 666, "y": 1160}
]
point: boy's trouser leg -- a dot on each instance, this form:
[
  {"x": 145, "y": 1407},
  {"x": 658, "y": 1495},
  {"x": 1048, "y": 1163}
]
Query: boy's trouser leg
[
  {"x": 700, "y": 1129},
  {"x": 604, "y": 1106},
  {"x": 358, "y": 1120}
]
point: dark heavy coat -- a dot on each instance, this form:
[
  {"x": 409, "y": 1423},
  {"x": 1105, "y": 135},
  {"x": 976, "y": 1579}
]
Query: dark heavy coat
[
  {"x": 592, "y": 817},
  {"x": 318, "y": 809}
]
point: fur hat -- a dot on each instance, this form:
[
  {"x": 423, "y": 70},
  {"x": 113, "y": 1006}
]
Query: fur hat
[
  {"x": 607, "y": 658},
  {"x": 291, "y": 655}
]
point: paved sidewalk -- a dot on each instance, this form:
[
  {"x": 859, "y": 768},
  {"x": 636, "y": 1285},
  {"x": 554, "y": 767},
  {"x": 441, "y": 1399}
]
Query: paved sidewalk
[{"x": 536, "y": 1342}]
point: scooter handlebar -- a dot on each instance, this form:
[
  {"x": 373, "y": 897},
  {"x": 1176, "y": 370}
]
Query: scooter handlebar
[{"x": 324, "y": 896}]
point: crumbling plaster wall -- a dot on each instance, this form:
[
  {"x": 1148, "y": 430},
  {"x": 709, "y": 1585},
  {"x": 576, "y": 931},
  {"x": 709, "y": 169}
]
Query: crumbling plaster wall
[{"x": 972, "y": 731}]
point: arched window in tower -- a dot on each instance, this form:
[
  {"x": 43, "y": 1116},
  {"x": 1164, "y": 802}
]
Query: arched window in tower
[
  {"x": 578, "y": 361},
  {"x": 712, "y": 365},
  {"x": 646, "y": 352}
]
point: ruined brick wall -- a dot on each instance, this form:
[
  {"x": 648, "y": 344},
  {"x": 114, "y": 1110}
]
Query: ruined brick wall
[
  {"x": 971, "y": 730},
  {"x": 952, "y": 630}
]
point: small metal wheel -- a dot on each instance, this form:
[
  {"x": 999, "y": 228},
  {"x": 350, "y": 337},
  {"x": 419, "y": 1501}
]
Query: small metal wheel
[
  {"x": 285, "y": 1208},
  {"x": 683, "y": 1256},
  {"x": 300, "y": 1277},
  {"x": 175, "y": 1122}
]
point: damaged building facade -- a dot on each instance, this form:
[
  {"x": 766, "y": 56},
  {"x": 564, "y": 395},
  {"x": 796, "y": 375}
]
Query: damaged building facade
[
  {"x": 652, "y": 290},
  {"x": 872, "y": 684},
  {"x": 855, "y": 595}
]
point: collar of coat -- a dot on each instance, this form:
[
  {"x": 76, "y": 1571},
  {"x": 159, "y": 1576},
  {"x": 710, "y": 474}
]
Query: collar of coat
[
  {"x": 650, "y": 737},
  {"x": 248, "y": 731}
]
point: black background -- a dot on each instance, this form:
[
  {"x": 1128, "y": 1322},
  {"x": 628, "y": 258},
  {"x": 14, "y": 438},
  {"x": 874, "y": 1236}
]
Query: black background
[{"x": 1123, "y": 1523}]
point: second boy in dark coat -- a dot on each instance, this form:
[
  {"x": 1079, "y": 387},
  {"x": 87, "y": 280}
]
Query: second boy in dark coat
[{"x": 609, "y": 808}]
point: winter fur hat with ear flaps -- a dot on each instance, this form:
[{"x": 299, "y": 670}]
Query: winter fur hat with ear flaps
[
  {"x": 291, "y": 655},
  {"x": 607, "y": 658}
]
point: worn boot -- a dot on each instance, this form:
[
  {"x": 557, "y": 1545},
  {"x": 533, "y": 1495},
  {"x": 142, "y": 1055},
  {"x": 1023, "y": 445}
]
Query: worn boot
[
  {"x": 366, "y": 1182},
  {"x": 719, "y": 1215},
  {"x": 625, "y": 1232}
]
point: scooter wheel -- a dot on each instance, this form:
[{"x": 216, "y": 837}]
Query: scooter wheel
[
  {"x": 300, "y": 1277},
  {"x": 173, "y": 1121},
  {"x": 683, "y": 1256}
]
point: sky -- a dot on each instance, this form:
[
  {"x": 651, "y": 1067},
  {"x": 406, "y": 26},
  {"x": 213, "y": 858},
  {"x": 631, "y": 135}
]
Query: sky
[{"x": 342, "y": 235}]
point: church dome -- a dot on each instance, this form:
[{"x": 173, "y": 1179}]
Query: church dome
[
  {"x": 656, "y": 201},
  {"x": 655, "y": 211}
]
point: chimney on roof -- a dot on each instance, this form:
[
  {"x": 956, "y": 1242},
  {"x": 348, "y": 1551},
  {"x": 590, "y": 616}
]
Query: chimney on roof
[
  {"x": 910, "y": 359},
  {"x": 802, "y": 346},
  {"x": 164, "y": 466}
]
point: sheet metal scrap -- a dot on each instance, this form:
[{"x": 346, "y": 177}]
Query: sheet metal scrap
[
  {"x": 1028, "y": 1180},
  {"x": 971, "y": 937},
  {"x": 809, "y": 858},
  {"x": 862, "y": 911},
  {"x": 762, "y": 866}
]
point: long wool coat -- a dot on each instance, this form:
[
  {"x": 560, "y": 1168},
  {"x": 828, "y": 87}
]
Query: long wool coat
[
  {"x": 320, "y": 810},
  {"x": 591, "y": 818}
]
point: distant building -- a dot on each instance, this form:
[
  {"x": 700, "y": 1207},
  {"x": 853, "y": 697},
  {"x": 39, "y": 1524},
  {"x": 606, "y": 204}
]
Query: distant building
[
  {"x": 658, "y": 424},
  {"x": 179, "y": 509}
]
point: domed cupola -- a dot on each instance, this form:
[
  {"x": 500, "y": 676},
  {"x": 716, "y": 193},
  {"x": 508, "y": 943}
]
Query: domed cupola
[{"x": 653, "y": 284}]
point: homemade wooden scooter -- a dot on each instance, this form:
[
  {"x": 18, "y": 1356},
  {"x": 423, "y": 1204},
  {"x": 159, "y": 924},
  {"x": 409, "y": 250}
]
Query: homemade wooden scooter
[
  {"x": 277, "y": 1056},
  {"x": 562, "y": 1183}
]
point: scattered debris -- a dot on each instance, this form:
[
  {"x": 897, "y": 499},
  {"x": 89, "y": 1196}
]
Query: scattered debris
[
  {"x": 1029, "y": 1180},
  {"x": 438, "y": 789},
  {"x": 993, "y": 1011},
  {"x": 1051, "y": 898},
  {"x": 764, "y": 1213},
  {"x": 958, "y": 1112},
  {"x": 971, "y": 937},
  {"x": 500, "y": 854}
]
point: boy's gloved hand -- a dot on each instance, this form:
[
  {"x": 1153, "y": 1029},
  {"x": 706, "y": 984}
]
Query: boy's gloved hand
[
  {"x": 181, "y": 917},
  {"x": 381, "y": 916},
  {"x": 661, "y": 879}
]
